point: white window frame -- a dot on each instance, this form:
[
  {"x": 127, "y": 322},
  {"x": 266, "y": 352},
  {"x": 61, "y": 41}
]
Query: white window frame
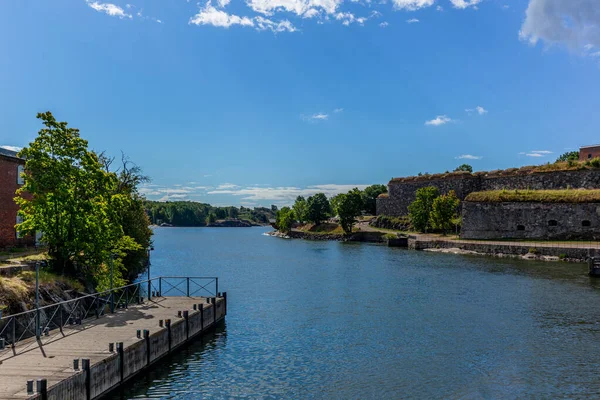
[{"x": 20, "y": 171}]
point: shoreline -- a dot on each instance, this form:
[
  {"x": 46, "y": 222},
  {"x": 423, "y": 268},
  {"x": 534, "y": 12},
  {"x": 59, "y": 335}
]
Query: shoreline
[{"x": 529, "y": 251}]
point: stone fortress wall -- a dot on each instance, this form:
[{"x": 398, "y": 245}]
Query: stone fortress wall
[{"x": 401, "y": 191}]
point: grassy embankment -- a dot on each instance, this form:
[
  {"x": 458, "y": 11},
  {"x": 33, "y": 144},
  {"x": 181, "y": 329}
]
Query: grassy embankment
[
  {"x": 537, "y": 196},
  {"x": 17, "y": 292}
]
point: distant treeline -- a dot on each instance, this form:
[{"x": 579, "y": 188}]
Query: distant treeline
[{"x": 189, "y": 213}]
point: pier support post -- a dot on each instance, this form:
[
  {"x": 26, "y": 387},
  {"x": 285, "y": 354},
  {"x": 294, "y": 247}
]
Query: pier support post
[
  {"x": 225, "y": 302},
  {"x": 186, "y": 315},
  {"x": 201, "y": 308},
  {"x": 85, "y": 365},
  {"x": 168, "y": 325},
  {"x": 147, "y": 338},
  {"x": 214, "y": 310},
  {"x": 120, "y": 352}
]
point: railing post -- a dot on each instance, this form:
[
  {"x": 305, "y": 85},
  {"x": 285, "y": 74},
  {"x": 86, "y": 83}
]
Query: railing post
[
  {"x": 37, "y": 300},
  {"x": 216, "y": 286},
  {"x": 160, "y": 285},
  {"x": 149, "y": 281},
  {"x": 188, "y": 286},
  {"x": 14, "y": 332}
]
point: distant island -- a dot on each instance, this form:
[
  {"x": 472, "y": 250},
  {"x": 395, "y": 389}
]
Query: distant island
[{"x": 193, "y": 214}]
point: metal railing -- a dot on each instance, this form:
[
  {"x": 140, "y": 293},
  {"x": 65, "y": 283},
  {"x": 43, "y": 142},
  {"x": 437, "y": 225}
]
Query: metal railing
[{"x": 40, "y": 321}]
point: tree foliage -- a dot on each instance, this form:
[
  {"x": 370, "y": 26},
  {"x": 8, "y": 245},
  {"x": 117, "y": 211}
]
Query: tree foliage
[
  {"x": 420, "y": 209},
  {"x": 568, "y": 156},
  {"x": 464, "y": 167},
  {"x": 443, "y": 211},
  {"x": 86, "y": 213},
  {"x": 348, "y": 206},
  {"x": 300, "y": 209},
  {"x": 191, "y": 213},
  {"x": 370, "y": 195},
  {"x": 285, "y": 219},
  {"x": 318, "y": 208}
]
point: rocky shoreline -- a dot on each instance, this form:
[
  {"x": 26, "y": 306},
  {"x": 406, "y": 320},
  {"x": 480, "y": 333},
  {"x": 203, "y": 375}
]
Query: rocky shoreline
[{"x": 528, "y": 256}]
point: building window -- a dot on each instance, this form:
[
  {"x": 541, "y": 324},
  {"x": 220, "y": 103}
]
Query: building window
[
  {"x": 552, "y": 222},
  {"x": 520, "y": 227},
  {"x": 589, "y": 156},
  {"x": 20, "y": 179},
  {"x": 586, "y": 223},
  {"x": 19, "y": 221}
]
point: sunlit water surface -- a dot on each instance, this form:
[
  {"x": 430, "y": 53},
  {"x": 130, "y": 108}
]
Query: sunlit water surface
[{"x": 341, "y": 320}]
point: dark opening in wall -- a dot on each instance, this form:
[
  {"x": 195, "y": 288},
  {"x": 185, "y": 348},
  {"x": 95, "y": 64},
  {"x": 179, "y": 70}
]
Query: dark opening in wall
[
  {"x": 553, "y": 222},
  {"x": 520, "y": 227},
  {"x": 586, "y": 223}
]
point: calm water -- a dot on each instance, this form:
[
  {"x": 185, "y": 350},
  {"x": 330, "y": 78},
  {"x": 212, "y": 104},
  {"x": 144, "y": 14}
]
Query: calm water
[{"x": 338, "y": 320}]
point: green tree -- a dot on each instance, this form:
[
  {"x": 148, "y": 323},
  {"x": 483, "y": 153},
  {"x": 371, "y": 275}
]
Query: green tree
[
  {"x": 285, "y": 219},
  {"x": 464, "y": 167},
  {"x": 568, "y": 156},
  {"x": 211, "y": 219},
  {"x": 349, "y": 206},
  {"x": 300, "y": 209},
  {"x": 334, "y": 201},
  {"x": 318, "y": 208},
  {"x": 76, "y": 204},
  {"x": 233, "y": 212},
  {"x": 420, "y": 209},
  {"x": 370, "y": 195},
  {"x": 443, "y": 211}
]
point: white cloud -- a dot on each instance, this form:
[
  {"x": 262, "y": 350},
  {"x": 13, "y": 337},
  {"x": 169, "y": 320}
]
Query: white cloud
[
  {"x": 439, "y": 120},
  {"x": 412, "y": 21},
  {"x": 468, "y": 157},
  {"x": 285, "y": 194},
  {"x": 338, "y": 110},
  {"x": 480, "y": 110},
  {"x": 263, "y": 24},
  {"x": 412, "y": 5},
  {"x": 348, "y": 18},
  {"x": 317, "y": 117},
  {"x": 542, "y": 151},
  {"x": 573, "y": 23},
  {"x": 223, "y": 3},
  {"x": 211, "y": 16},
  {"x": 299, "y": 7},
  {"x": 11, "y": 148},
  {"x": 462, "y": 4},
  {"x": 536, "y": 153},
  {"x": 383, "y": 24},
  {"x": 226, "y": 186},
  {"x": 110, "y": 9},
  {"x": 310, "y": 13},
  {"x": 439, "y": 8}
]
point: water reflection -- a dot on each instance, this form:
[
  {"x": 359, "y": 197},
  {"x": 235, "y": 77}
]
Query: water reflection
[{"x": 338, "y": 320}]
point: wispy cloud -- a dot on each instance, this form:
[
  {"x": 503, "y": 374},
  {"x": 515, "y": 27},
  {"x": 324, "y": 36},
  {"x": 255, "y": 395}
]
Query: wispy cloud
[
  {"x": 316, "y": 117},
  {"x": 11, "y": 148},
  {"x": 210, "y": 15},
  {"x": 536, "y": 153},
  {"x": 284, "y": 194},
  {"x": 468, "y": 157},
  {"x": 110, "y": 9},
  {"x": 479, "y": 110},
  {"x": 384, "y": 24},
  {"x": 227, "y": 186},
  {"x": 412, "y": 5},
  {"x": 338, "y": 110},
  {"x": 412, "y": 21},
  {"x": 462, "y": 4},
  {"x": 439, "y": 120}
]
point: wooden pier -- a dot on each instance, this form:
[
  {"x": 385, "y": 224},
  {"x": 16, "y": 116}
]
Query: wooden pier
[{"x": 107, "y": 349}]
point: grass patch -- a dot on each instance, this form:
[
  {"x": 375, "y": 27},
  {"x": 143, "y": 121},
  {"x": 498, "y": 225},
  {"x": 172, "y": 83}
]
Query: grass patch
[
  {"x": 536, "y": 196},
  {"x": 326, "y": 228},
  {"x": 526, "y": 170}
]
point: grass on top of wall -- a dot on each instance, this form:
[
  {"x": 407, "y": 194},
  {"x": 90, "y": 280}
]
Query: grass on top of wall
[
  {"x": 526, "y": 170},
  {"x": 536, "y": 196}
]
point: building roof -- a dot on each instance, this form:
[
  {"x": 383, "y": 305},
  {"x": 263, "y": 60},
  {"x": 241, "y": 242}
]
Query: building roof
[
  {"x": 590, "y": 146},
  {"x": 9, "y": 153}
]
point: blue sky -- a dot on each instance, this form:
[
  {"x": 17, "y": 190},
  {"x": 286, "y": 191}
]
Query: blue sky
[{"x": 254, "y": 102}]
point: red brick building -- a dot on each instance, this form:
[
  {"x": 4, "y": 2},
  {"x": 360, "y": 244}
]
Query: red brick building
[
  {"x": 10, "y": 180},
  {"x": 589, "y": 152}
]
